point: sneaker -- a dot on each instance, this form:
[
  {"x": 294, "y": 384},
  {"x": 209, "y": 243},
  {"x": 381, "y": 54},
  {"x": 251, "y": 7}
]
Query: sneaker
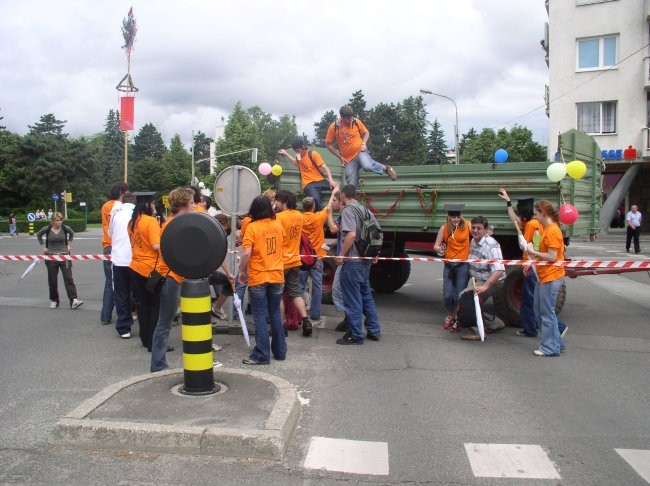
[
  {"x": 538, "y": 352},
  {"x": 455, "y": 326},
  {"x": 471, "y": 337},
  {"x": 126, "y": 335},
  {"x": 563, "y": 333},
  {"x": 219, "y": 314},
  {"x": 320, "y": 322},
  {"x": 249, "y": 361},
  {"x": 391, "y": 173},
  {"x": 348, "y": 339},
  {"x": 522, "y": 333},
  {"x": 76, "y": 303},
  {"x": 373, "y": 337},
  {"x": 307, "y": 328},
  {"x": 53, "y": 304},
  {"x": 216, "y": 347},
  {"x": 105, "y": 323},
  {"x": 449, "y": 320},
  {"x": 497, "y": 327}
]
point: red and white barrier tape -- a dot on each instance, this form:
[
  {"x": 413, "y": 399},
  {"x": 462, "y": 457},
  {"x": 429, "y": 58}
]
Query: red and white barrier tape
[{"x": 567, "y": 263}]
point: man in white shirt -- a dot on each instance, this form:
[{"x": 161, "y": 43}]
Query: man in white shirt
[
  {"x": 633, "y": 224},
  {"x": 121, "y": 259}
]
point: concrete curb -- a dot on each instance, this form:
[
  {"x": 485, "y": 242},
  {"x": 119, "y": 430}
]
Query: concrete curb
[{"x": 270, "y": 442}]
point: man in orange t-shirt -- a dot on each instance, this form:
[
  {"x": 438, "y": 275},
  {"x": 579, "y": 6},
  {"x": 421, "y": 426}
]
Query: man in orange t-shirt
[
  {"x": 291, "y": 220},
  {"x": 312, "y": 168},
  {"x": 313, "y": 223},
  {"x": 108, "y": 301},
  {"x": 351, "y": 137}
]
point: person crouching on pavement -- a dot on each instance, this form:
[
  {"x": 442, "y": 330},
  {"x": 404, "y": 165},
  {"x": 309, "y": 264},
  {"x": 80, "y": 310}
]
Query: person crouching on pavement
[{"x": 489, "y": 277}]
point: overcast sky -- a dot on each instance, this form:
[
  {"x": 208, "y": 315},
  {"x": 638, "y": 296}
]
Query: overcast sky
[{"x": 194, "y": 59}]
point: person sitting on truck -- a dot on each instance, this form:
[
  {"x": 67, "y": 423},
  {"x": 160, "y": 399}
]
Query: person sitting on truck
[
  {"x": 312, "y": 168},
  {"x": 351, "y": 137},
  {"x": 488, "y": 277},
  {"x": 531, "y": 231},
  {"x": 454, "y": 234}
]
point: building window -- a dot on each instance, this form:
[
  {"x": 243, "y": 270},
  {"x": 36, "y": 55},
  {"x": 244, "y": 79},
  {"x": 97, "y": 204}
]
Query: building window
[
  {"x": 597, "y": 52},
  {"x": 597, "y": 118},
  {"x": 590, "y": 2}
]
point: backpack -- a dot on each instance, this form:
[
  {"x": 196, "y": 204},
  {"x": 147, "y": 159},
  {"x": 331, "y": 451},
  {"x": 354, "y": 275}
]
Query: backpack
[
  {"x": 309, "y": 257},
  {"x": 467, "y": 309},
  {"x": 370, "y": 238},
  {"x": 66, "y": 233},
  {"x": 292, "y": 318},
  {"x": 354, "y": 122}
]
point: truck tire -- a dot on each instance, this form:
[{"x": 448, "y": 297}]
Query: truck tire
[
  {"x": 387, "y": 276},
  {"x": 508, "y": 302}
]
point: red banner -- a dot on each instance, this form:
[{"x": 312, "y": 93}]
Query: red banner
[{"x": 126, "y": 113}]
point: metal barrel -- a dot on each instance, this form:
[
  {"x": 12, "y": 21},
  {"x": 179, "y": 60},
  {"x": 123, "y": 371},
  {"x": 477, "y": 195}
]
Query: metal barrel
[{"x": 197, "y": 338}]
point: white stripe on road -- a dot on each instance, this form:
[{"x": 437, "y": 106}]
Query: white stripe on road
[
  {"x": 636, "y": 292},
  {"x": 510, "y": 461},
  {"x": 638, "y": 459},
  {"x": 348, "y": 456}
]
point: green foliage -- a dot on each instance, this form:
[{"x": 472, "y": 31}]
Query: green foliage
[
  {"x": 111, "y": 157},
  {"x": 517, "y": 142},
  {"x": 48, "y": 125},
  {"x": 436, "y": 145},
  {"x": 358, "y": 103},
  {"x": 465, "y": 138},
  {"x": 202, "y": 152},
  {"x": 147, "y": 175},
  {"x": 320, "y": 128},
  {"x": 176, "y": 166},
  {"x": 148, "y": 143},
  {"x": 77, "y": 225},
  {"x": 239, "y": 134}
]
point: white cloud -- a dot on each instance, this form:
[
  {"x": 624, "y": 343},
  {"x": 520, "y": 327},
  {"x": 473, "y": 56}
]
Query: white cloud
[{"x": 193, "y": 60}]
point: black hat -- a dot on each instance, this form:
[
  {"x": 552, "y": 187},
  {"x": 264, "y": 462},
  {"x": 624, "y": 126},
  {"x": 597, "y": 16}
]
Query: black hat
[
  {"x": 525, "y": 206},
  {"x": 454, "y": 209},
  {"x": 142, "y": 196},
  {"x": 346, "y": 110}
]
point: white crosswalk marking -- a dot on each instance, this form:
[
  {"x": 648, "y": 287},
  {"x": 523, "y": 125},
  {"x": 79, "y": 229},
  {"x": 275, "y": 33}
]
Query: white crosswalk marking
[
  {"x": 638, "y": 459},
  {"x": 510, "y": 461},
  {"x": 349, "y": 456}
]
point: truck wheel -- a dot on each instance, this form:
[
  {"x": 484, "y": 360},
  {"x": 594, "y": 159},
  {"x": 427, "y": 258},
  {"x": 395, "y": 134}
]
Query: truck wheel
[
  {"x": 329, "y": 268},
  {"x": 389, "y": 275},
  {"x": 508, "y": 303}
]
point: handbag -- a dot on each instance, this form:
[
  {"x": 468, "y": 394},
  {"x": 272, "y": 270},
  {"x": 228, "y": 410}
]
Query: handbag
[{"x": 154, "y": 280}]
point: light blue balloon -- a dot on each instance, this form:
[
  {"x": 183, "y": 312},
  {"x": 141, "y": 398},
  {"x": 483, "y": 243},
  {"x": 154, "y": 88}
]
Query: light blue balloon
[{"x": 500, "y": 156}]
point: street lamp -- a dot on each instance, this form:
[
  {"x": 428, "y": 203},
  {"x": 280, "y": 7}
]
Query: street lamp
[{"x": 426, "y": 91}]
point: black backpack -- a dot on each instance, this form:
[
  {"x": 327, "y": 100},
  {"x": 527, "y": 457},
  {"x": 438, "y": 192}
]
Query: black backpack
[
  {"x": 370, "y": 238},
  {"x": 66, "y": 233}
]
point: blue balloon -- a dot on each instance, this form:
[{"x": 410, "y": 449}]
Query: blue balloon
[{"x": 500, "y": 156}]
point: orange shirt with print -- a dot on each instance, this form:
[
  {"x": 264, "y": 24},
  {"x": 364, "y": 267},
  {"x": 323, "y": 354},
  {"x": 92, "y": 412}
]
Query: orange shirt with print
[
  {"x": 265, "y": 238},
  {"x": 312, "y": 226},
  {"x": 244, "y": 224},
  {"x": 291, "y": 221},
  {"x": 529, "y": 230},
  {"x": 551, "y": 238},
  {"x": 163, "y": 268},
  {"x": 106, "y": 220},
  {"x": 198, "y": 208},
  {"x": 457, "y": 242},
  {"x": 348, "y": 137},
  {"x": 146, "y": 233},
  {"x": 310, "y": 168}
]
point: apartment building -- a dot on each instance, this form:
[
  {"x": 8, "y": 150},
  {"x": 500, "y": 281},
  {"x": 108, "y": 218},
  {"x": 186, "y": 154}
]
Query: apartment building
[{"x": 599, "y": 83}]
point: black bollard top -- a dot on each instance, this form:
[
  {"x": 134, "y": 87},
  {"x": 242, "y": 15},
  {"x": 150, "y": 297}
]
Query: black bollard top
[{"x": 193, "y": 245}]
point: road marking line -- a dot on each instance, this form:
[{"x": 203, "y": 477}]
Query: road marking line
[
  {"x": 348, "y": 456},
  {"x": 510, "y": 461},
  {"x": 638, "y": 459}
]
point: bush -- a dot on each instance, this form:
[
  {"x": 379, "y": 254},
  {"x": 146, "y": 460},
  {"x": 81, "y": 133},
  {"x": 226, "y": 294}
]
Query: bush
[{"x": 77, "y": 225}]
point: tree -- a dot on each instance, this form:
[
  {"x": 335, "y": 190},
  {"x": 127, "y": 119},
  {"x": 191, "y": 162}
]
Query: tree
[
  {"x": 358, "y": 103},
  {"x": 517, "y": 142},
  {"x": 176, "y": 165},
  {"x": 239, "y": 134},
  {"x": 381, "y": 122},
  {"x": 48, "y": 125},
  {"x": 202, "y": 152},
  {"x": 11, "y": 170},
  {"x": 148, "y": 143},
  {"x": 409, "y": 145},
  {"x": 465, "y": 138},
  {"x": 321, "y": 127},
  {"x": 436, "y": 145},
  {"x": 111, "y": 163},
  {"x": 2, "y": 127}
]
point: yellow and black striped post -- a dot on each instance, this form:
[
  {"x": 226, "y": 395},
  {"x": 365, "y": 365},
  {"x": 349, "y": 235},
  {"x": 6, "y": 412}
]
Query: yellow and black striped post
[
  {"x": 30, "y": 228},
  {"x": 197, "y": 338}
]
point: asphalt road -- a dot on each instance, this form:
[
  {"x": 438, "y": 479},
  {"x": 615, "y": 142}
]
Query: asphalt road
[{"x": 421, "y": 406}]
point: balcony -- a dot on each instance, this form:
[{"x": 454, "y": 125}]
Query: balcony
[{"x": 646, "y": 73}]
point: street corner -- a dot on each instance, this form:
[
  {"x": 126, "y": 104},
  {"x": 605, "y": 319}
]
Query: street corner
[{"x": 253, "y": 415}]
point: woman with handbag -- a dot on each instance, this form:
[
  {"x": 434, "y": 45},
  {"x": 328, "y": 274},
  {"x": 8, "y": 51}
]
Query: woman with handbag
[
  {"x": 144, "y": 233},
  {"x": 454, "y": 233}
]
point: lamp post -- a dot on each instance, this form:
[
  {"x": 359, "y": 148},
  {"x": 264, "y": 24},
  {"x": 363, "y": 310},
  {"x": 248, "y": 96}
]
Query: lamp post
[{"x": 426, "y": 91}]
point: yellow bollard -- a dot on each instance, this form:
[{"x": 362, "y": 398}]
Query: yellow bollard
[
  {"x": 30, "y": 228},
  {"x": 196, "y": 333}
]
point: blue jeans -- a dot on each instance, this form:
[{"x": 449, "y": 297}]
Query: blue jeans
[
  {"x": 265, "y": 303},
  {"x": 108, "y": 301},
  {"x": 314, "y": 189},
  {"x": 357, "y": 297},
  {"x": 361, "y": 161},
  {"x": 316, "y": 273},
  {"x": 454, "y": 280},
  {"x": 169, "y": 295},
  {"x": 337, "y": 293},
  {"x": 240, "y": 288},
  {"x": 122, "y": 291},
  {"x": 527, "y": 308},
  {"x": 545, "y": 298}
]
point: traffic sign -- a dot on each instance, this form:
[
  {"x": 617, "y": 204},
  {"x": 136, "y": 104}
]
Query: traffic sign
[
  {"x": 55, "y": 196},
  {"x": 31, "y": 217}
]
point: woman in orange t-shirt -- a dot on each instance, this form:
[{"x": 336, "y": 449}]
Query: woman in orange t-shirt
[
  {"x": 261, "y": 265},
  {"x": 551, "y": 279},
  {"x": 144, "y": 233},
  {"x": 455, "y": 234}
]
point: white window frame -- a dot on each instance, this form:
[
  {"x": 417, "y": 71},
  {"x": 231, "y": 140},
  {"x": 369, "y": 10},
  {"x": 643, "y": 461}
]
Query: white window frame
[
  {"x": 601, "y": 53},
  {"x": 590, "y": 2},
  {"x": 599, "y": 125}
]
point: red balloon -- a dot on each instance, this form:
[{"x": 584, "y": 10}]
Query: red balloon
[{"x": 568, "y": 214}]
